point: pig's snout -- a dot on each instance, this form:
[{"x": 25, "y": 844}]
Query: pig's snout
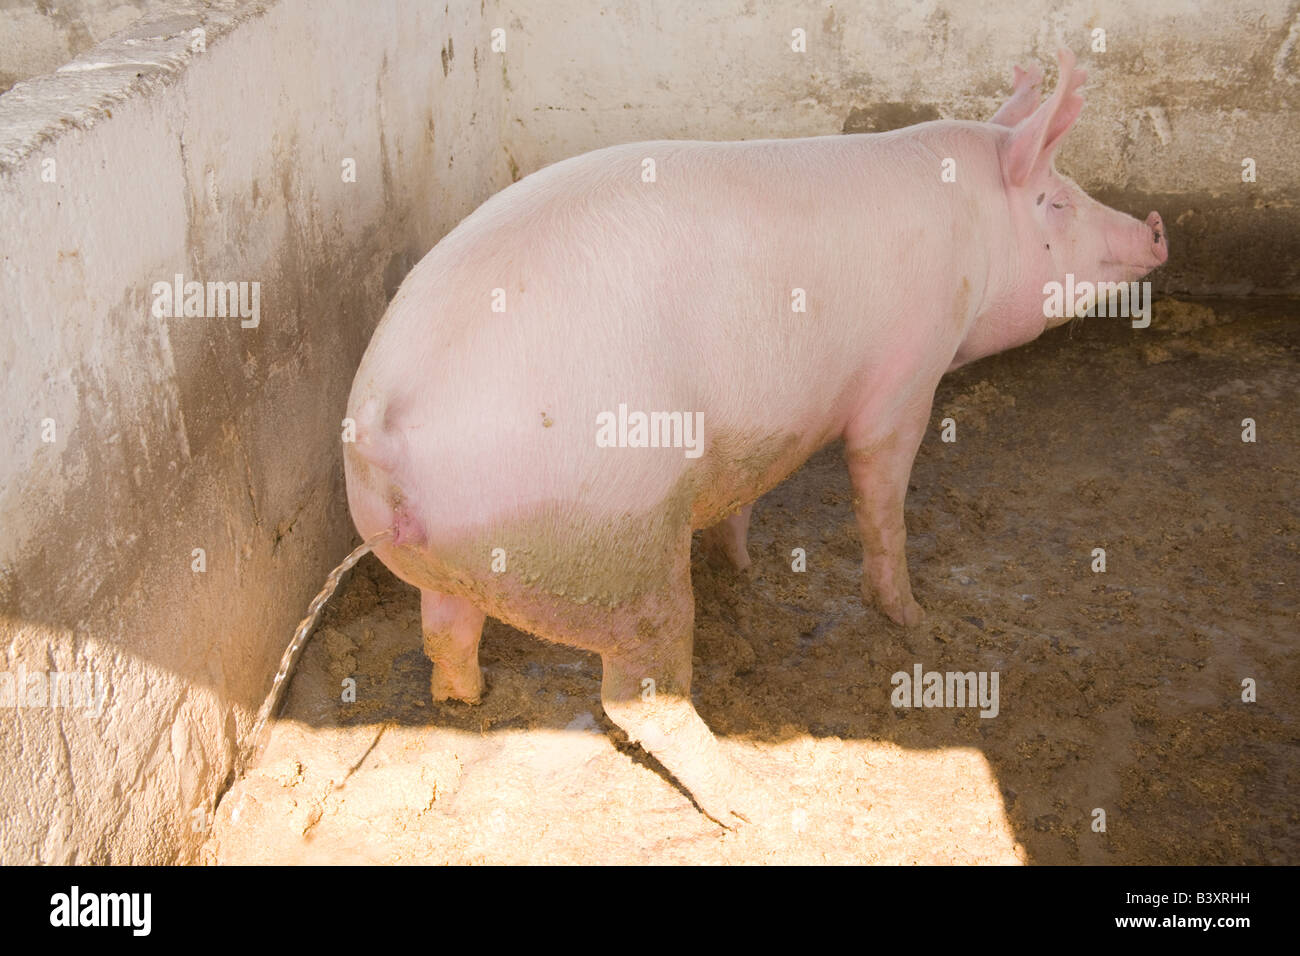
[
  {"x": 1135, "y": 247},
  {"x": 1159, "y": 241}
]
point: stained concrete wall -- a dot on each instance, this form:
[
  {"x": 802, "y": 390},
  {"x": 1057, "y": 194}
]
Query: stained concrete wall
[
  {"x": 1184, "y": 92},
  {"x": 132, "y": 440},
  {"x": 146, "y": 157}
]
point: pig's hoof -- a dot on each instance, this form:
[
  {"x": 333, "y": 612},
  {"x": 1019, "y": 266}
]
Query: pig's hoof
[
  {"x": 467, "y": 688},
  {"x": 904, "y": 614},
  {"x": 724, "y": 554},
  {"x": 909, "y": 615},
  {"x": 741, "y": 800},
  {"x": 731, "y": 811}
]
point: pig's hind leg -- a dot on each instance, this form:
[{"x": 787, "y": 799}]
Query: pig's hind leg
[
  {"x": 646, "y": 690},
  {"x": 729, "y": 539},
  {"x": 452, "y": 627}
]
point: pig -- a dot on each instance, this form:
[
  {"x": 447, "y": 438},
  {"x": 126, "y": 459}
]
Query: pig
[{"x": 502, "y": 452}]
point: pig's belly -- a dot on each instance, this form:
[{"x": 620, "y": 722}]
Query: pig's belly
[{"x": 582, "y": 531}]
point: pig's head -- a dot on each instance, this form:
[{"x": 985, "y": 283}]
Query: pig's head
[{"x": 1057, "y": 227}]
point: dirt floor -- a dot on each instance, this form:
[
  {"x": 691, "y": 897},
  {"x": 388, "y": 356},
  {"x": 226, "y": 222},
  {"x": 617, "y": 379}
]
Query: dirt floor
[{"x": 1120, "y": 691}]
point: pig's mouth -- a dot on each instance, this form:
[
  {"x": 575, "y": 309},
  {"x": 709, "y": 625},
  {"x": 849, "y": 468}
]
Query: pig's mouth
[{"x": 1144, "y": 248}]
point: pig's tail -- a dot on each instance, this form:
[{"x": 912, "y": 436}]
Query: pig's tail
[{"x": 256, "y": 741}]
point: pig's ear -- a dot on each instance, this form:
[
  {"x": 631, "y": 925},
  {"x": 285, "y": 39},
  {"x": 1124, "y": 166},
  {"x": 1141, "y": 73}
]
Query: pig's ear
[
  {"x": 1024, "y": 99},
  {"x": 1034, "y": 139}
]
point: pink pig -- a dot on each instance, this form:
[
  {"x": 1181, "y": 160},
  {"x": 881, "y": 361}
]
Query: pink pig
[{"x": 600, "y": 360}]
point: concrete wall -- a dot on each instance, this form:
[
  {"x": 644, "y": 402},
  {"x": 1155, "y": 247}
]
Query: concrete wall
[
  {"x": 146, "y": 157},
  {"x": 1184, "y": 92},
  {"x": 180, "y": 433}
]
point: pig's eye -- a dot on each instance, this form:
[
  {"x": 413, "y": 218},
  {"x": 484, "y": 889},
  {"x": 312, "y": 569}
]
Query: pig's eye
[{"x": 1059, "y": 204}]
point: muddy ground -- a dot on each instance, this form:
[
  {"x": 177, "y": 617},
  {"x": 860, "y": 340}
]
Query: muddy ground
[{"x": 1120, "y": 691}]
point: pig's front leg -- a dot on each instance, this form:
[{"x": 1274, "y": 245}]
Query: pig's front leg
[{"x": 880, "y": 463}]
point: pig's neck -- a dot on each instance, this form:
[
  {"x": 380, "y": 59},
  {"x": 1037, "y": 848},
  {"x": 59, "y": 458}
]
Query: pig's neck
[
  {"x": 1012, "y": 311},
  {"x": 1008, "y": 321}
]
